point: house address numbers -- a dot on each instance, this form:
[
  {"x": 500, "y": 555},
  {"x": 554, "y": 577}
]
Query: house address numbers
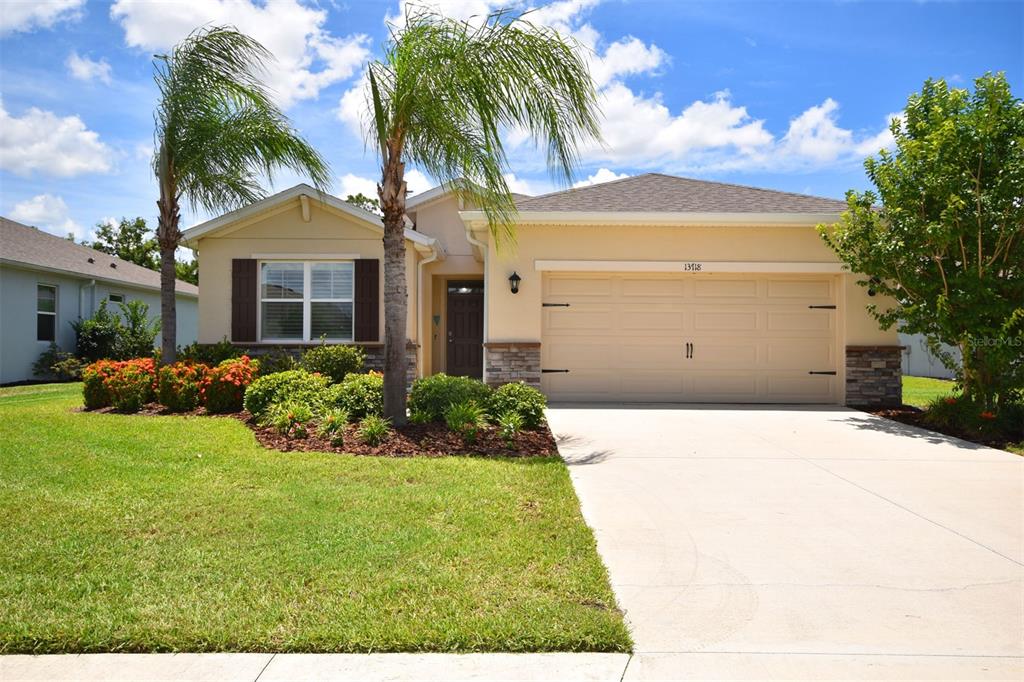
[{"x": 693, "y": 267}]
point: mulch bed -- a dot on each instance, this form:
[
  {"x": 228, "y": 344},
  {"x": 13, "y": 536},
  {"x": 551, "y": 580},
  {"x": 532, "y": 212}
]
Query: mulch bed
[
  {"x": 411, "y": 440},
  {"x": 914, "y": 416}
]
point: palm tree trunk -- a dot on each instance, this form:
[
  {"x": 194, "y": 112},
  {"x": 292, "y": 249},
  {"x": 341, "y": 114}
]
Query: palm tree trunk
[
  {"x": 392, "y": 201},
  {"x": 168, "y": 236}
]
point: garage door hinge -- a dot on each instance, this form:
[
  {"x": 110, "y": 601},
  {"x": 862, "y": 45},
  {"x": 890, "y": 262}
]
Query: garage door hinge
[
  {"x": 554, "y": 371},
  {"x": 832, "y": 373},
  {"x": 554, "y": 305},
  {"x": 823, "y": 307}
]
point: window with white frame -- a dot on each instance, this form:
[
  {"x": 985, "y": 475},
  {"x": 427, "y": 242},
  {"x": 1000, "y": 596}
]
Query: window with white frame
[
  {"x": 306, "y": 300},
  {"x": 46, "y": 312}
]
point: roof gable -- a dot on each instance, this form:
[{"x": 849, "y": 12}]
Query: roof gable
[
  {"x": 659, "y": 193},
  {"x": 26, "y": 245}
]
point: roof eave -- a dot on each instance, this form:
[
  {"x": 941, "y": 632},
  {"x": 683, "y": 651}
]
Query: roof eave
[
  {"x": 657, "y": 218},
  {"x": 98, "y": 278}
]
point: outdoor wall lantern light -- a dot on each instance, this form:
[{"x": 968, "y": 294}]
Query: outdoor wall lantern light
[{"x": 513, "y": 280}]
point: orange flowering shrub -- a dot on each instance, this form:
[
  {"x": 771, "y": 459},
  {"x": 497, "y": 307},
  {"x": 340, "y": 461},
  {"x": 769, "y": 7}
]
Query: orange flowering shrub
[
  {"x": 132, "y": 384},
  {"x": 223, "y": 387},
  {"x": 178, "y": 385},
  {"x": 126, "y": 380}
]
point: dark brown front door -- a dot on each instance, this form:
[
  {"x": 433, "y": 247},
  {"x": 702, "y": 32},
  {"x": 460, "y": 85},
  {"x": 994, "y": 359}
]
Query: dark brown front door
[{"x": 466, "y": 329}]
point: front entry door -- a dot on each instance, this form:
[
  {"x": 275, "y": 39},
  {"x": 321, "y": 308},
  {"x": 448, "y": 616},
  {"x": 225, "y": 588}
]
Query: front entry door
[{"x": 466, "y": 329}]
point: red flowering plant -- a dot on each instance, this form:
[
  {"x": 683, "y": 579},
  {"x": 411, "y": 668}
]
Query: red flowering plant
[
  {"x": 178, "y": 385},
  {"x": 94, "y": 393},
  {"x": 223, "y": 387},
  {"x": 132, "y": 384}
]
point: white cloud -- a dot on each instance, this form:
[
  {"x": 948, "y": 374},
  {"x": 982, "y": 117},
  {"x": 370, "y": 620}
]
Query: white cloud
[
  {"x": 308, "y": 57},
  {"x": 26, "y": 15},
  {"x": 85, "y": 69},
  {"x": 626, "y": 57},
  {"x": 602, "y": 175},
  {"x": 883, "y": 140},
  {"x": 814, "y": 134},
  {"x": 48, "y": 212},
  {"x": 416, "y": 182},
  {"x": 44, "y": 142},
  {"x": 519, "y": 185}
]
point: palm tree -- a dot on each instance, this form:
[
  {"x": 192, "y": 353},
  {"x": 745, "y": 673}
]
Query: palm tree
[
  {"x": 441, "y": 98},
  {"x": 217, "y": 132}
]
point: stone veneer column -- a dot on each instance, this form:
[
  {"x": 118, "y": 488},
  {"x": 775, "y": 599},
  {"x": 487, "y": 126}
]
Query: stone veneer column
[
  {"x": 375, "y": 360},
  {"x": 508, "y": 361},
  {"x": 874, "y": 377}
]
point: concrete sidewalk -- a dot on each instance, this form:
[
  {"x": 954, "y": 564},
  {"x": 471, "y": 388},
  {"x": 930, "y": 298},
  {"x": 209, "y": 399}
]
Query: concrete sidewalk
[{"x": 314, "y": 667}]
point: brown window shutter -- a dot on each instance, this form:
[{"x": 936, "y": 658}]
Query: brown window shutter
[
  {"x": 367, "y": 299},
  {"x": 244, "y": 289}
]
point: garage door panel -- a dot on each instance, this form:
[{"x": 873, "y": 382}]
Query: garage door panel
[
  {"x": 716, "y": 321},
  {"x": 624, "y": 336},
  {"x": 810, "y": 320}
]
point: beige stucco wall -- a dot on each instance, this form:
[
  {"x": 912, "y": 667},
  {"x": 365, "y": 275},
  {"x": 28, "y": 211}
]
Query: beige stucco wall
[
  {"x": 329, "y": 233},
  {"x": 440, "y": 219},
  {"x": 518, "y": 317}
]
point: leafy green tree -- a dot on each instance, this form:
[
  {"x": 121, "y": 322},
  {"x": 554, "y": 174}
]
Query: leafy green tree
[
  {"x": 217, "y": 133},
  {"x": 946, "y": 246},
  {"x": 187, "y": 270},
  {"x": 130, "y": 240},
  {"x": 440, "y": 98},
  {"x": 364, "y": 202}
]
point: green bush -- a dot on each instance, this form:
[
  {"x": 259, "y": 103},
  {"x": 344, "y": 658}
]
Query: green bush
[
  {"x": 361, "y": 395},
  {"x": 963, "y": 416},
  {"x": 373, "y": 429},
  {"x": 224, "y": 386},
  {"x": 178, "y": 386},
  {"x": 54, "y": 363},
  {"x": 210, "y": 354},
  {"x": 526, "y": 401},
  {"x": 136, "y": 336},
  {"x": 509, "y": 426},
  {"x": 334, "y": 362},
  {"x": 96, "y": 337},
  {"x": 94, "y": 391},
  {"x": 131, "y": 385},
  {"x": 332, "y": 426},
  {"x": 278, "y": 360},
  {"x": 289, "y": 418},
  {"x": 296, "y": 386},
  {"x": 434, "y": 394},
  {"x": 466, "y": 419}
]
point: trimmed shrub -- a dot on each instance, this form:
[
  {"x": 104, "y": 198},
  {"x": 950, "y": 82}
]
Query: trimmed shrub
[
  {"x": 131, "y": 385},
  {"x": 278, "y": 360},
  {"x": 361, "y": 395},
  {"x": 224, "y": 386},
  {"x": 334, "y": 362},
  {"x": 178, "y": 385},
  {"x": 210, "y": 354},
  {"x": 94, "y": 393},
  {"x": 526, "y": 401},
  {"x": 434, "y": 394},
  {"x": 373, "y": 430},
  {"x": 295, "y": 385},
  {"x": 466, "y": 419}
]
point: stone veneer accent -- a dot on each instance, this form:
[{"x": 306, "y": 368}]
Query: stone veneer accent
[
  {"x": 508, "y": 361},
  {"x": 873, "y": 376}
]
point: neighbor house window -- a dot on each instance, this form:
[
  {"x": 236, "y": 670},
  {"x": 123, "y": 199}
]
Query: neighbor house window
[
  {"x": 305, "y": 301},
  {"x": 46, "y": 312},
  {"x": 115, "y": 298}
]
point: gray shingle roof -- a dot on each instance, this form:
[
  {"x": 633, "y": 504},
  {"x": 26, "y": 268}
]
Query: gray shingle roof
[
  {"x": 656, "y": 193},
  {"x": 30, "y": 246}
]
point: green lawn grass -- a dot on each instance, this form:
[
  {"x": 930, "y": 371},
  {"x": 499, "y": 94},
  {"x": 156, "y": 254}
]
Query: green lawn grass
[
  {"x": 129, "y": 533},
  {"x": 919, "y": 391}
]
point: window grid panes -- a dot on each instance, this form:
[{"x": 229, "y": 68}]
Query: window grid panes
[
  {"x": 46, "y": 312},
  {"x": 305, "y": 301}
]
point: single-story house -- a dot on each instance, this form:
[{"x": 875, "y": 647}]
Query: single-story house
[
  {"x": 47, "y": 282},
  {"x": 919, "y": 361},
  {"x": 652, "y": 288}
]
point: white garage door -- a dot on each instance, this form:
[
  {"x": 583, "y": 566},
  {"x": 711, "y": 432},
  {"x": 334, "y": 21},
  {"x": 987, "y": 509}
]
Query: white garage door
[{"x": 690, "y": 338}]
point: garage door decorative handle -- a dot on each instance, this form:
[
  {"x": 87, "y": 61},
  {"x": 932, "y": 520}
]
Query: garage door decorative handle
[
  {"x": 554, "y": 305},
  {"x": 554, "y": 371},
  {"x": 822, "y": 307},
  {"x": 830, "y": 373}
]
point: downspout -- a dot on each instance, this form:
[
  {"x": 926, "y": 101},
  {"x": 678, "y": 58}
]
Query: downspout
[
  {"x": 419, "y": 307},
  {"x": 487, "y": 321}
]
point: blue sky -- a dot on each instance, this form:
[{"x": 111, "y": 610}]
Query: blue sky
[{"x": 789, "y": 96}]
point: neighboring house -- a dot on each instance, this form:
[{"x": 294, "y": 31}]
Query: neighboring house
[
  {"x": 919, "y": 361},
  {"x": 651, "y": 288},
  {"x": 47, "y": 282}
]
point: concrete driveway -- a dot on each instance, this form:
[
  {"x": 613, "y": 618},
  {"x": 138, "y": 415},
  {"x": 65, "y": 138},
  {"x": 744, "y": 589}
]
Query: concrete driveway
[{"x": 770, "y": 542}]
